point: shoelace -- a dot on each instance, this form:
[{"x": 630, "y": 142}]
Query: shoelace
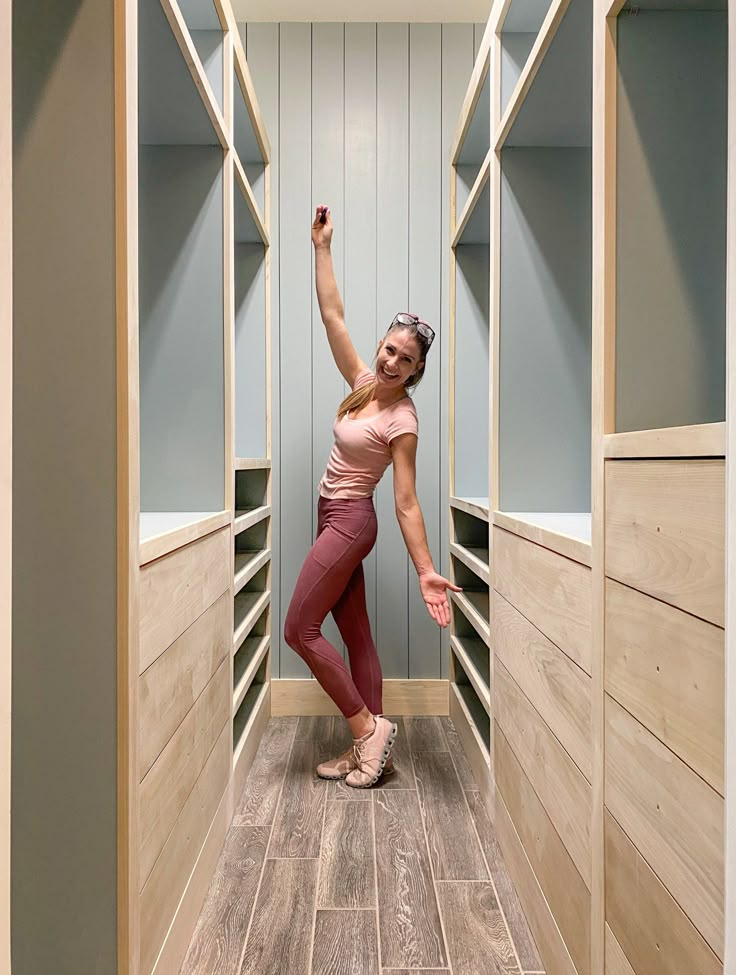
[{"x": 358, "y": 749}]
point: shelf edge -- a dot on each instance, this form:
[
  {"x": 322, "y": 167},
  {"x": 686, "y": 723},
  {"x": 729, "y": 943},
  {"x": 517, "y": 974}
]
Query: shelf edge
[
  {"x": 157, "y": 546},
  {"x": 576, "y": 549},
  {"x": 698, "y": 440},
  {"x": 246, "y": 191},
  {"x": 243, "y": 685},
  {"x": 476, "y": 192},
  {"x": 249, "y": 622},
  {"x": 471, "y": 672}
]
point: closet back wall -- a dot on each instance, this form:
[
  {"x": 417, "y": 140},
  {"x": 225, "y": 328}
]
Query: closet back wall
[{"x": 361, "y": 117}]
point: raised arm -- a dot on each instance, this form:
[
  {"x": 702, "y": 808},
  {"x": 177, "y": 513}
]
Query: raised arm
[{"x": 330, "y": 303}]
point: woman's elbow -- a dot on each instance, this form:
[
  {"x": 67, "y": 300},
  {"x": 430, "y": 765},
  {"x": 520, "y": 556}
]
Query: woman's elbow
[{"x": 406, "y": 503}]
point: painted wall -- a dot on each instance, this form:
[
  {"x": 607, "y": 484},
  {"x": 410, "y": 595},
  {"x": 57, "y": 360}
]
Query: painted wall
[{"x": 357, "y": 115}]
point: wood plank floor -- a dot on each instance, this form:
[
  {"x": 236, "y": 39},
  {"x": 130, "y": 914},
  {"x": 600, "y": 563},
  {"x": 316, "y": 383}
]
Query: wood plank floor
[{"x": 320, "y": 879}]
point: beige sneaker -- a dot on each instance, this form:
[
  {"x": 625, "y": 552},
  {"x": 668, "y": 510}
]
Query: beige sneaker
[
  {"x": 372, "y": 753},
  {"x": 338, "y": 768}
]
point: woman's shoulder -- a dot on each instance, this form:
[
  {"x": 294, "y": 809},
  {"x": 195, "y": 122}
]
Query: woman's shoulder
[{"x": 364, "y": 377}]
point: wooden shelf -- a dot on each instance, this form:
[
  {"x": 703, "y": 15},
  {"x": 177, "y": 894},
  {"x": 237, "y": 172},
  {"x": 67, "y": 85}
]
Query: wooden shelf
[
  {"x": 248, "y": 94},
  {"x": 248, "y": 608},
  {"x": 162, "y": 532},
  {"x": 476, "y": 559},
  {"x": 567, "y": 533},
  {"x": 474, "y": 657},
  {"x": 478, "y": 507},
  {"x": 252, "y": 464},
  {"x": 245, "y": 519},
  {"x": 243, "y": 719},
  {"x": 551, "y": 102},
  {"x": 474, "y": 225},
  {"x": 196, "y": 68},
  {"x": 700, "y": 440},
  {"x": 250, "y": 227},
  {"x": 247, "y": 660},
  {"x": 246, "y": 566},
  {"x": 475, "y": 607}
]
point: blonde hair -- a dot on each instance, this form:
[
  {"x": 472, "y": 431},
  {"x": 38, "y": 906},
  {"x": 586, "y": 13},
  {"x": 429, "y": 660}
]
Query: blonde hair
[{"x": 355, "y": 401}]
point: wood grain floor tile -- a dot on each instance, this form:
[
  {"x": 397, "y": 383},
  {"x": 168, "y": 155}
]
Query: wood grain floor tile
[
  {"x": 453, "y": 843},
  {"x": 281, "y": 932},
  {"x": 418, "y": 971},
  {"x": 347, "y": 877},
  {"x": 507, "y": 896},
  {"x": 260, "y": 796},
  {"x": 403, "y": 775},
  {"x": 464, "y": 772},
  {"x": 314, "y": 728},
  {"x": 298, "y": 824},
  {"x": 410, "y": 931},
  {"x": 219, "y": 937},
  {"x": 425, "y": 734},
  {"x": 477, "y": 939},
  {"x": 345, "y": 943}
]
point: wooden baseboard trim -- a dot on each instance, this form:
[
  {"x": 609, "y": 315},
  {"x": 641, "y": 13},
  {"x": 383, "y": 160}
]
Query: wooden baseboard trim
[{"x": 401, "y": 697}]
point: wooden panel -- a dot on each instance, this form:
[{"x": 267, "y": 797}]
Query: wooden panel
[
  {"x": 477, "y": 938},
  {"x": 217, "y": 942},
  {"x": 347, "y": 874},
  {"x": 399, "y": 697},
  {"x": 392, "y": 295},
  {"x": 559, "y": 783},
  {"x": 168, "y": 879},
  {"x": 476, "y": 750},
  {"x": 166, "y": 788},
  {"x": 283, "y": 919},
  {"x": 410, "y": 930},
  {"x": 245, "y": 752},
  {"x": 616, "y": 961},
  {"x": 558, "y": 689},
  {"x": 562, "y": 885},
  {"x": 345, "y": 943},
  {"x": 426, "y": 168},
  {"x": 673, "y": 817},
  {"x": 652, "y": 930},
  {"x": 295, "y": 356},
  {"x": 359, "y": 225},
  {"x": 667, "y": 668},
  {"x": 171, "y": 685},
  {"x": 553, "y": 593},
  {"x": 177, "y": 589},
  {"x": 453, "y": 843},
  {"x": 701, "y": 440},
  {"x": 665, "y": 531},
  {"x": 559, "y": 535},
  {"x": 554, "y": 954},
  {"x": 164, "y": 541}
]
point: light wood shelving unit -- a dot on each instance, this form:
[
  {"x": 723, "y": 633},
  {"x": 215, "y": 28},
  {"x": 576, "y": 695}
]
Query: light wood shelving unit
[
  {"x": 179, "y": 334},
  {"x": 591, "y": 643}
]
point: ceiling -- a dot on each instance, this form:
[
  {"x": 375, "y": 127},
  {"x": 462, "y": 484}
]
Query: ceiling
[{"x": 366, "y": 11}]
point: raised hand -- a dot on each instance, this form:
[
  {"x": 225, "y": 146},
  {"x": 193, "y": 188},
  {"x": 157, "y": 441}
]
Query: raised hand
[
  {"x": 433, "y": 588},
  {"x": 322, "y": 232}
]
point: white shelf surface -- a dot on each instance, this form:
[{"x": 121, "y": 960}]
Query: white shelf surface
[
  {"x": 576, "y": 524},
  {"x": 154, "y": 523}
]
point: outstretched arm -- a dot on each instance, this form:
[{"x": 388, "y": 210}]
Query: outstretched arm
[
  {"x": 432, "y": 585},
  {"x": 330, "y": 303}
]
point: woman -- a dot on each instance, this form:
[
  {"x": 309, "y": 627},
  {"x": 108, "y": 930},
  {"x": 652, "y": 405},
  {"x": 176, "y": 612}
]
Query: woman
[{"x": 376, "y": 426}]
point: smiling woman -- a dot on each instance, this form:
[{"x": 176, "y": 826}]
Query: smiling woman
[{"x": 376, "y": 426}]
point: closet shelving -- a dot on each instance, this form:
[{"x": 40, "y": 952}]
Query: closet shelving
[
  {"x": 470, "y": 660},
  {"x": 521, "y": 28}
]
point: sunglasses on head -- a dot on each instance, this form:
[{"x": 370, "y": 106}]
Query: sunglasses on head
[{"x": 405, "y": 318}]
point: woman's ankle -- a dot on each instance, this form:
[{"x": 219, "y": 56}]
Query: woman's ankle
[{"x": 361, "y": 724}]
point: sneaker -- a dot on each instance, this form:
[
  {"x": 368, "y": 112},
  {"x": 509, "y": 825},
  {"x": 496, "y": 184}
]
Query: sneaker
[
  {"x": 338, "y": 768},
  {"x": 371, "y": 755}
]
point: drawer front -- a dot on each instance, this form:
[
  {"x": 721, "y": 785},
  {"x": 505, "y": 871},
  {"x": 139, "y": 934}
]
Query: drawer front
[
  {"x": 177, "y": 589},
  {"x": 551, "y": 591},
  {"x": 665, "y": 531}
]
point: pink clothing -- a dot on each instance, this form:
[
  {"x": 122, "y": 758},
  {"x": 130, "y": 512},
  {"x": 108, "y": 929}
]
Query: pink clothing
[{"x": 362, "y": 449}]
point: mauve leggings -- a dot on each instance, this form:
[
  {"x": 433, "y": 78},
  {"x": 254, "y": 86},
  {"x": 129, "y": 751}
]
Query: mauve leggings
[{"x": 332, "y": 579}]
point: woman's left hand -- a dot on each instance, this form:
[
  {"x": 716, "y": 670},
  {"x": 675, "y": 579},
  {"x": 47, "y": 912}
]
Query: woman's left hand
[{"x": 434, "y": 592}]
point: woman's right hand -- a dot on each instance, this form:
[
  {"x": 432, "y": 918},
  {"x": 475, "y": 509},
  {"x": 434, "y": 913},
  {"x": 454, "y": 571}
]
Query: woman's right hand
[{"x": 322, "y": 232}]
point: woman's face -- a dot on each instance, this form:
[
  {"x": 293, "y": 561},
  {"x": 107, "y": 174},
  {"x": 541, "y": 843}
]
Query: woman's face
[{"x": 398, "y": 357}]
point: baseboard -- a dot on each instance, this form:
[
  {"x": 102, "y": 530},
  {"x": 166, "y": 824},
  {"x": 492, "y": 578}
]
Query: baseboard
[{"x": 401, "y": 697}]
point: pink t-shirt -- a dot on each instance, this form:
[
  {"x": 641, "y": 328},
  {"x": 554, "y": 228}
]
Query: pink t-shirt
[{"x": 362, "y": 451}]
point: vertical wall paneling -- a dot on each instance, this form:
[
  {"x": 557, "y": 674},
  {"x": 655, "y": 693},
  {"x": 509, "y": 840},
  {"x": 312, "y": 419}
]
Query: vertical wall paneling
[
  {"x": 425, "y": 267},
  {"x": 328, "y": 176},
  {"x": 457, "y": 64},
  {"x": 392, "y": 296},
  {"x": 478, "y": 32},
  {"x": 360, "y": 223},
  {"x": 295, "y": 276},
  {"x": 250, "y": 347},
  {"x": 262, "y": 51}
]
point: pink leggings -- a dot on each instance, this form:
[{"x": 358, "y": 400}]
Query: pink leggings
[{"x": 332, "y": 580}]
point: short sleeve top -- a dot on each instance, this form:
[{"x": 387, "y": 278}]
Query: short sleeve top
[{"x": 362, "y": 449}]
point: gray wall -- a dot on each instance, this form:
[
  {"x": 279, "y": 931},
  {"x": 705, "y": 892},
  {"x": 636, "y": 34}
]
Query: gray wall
[
  {"x": 64, "y": 805},
  {"x": 359, "y": 114},
  {"x": 671, "y": 218}
]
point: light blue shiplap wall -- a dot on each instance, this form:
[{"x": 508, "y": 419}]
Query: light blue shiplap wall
[{"x": 359, "y": 115}]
